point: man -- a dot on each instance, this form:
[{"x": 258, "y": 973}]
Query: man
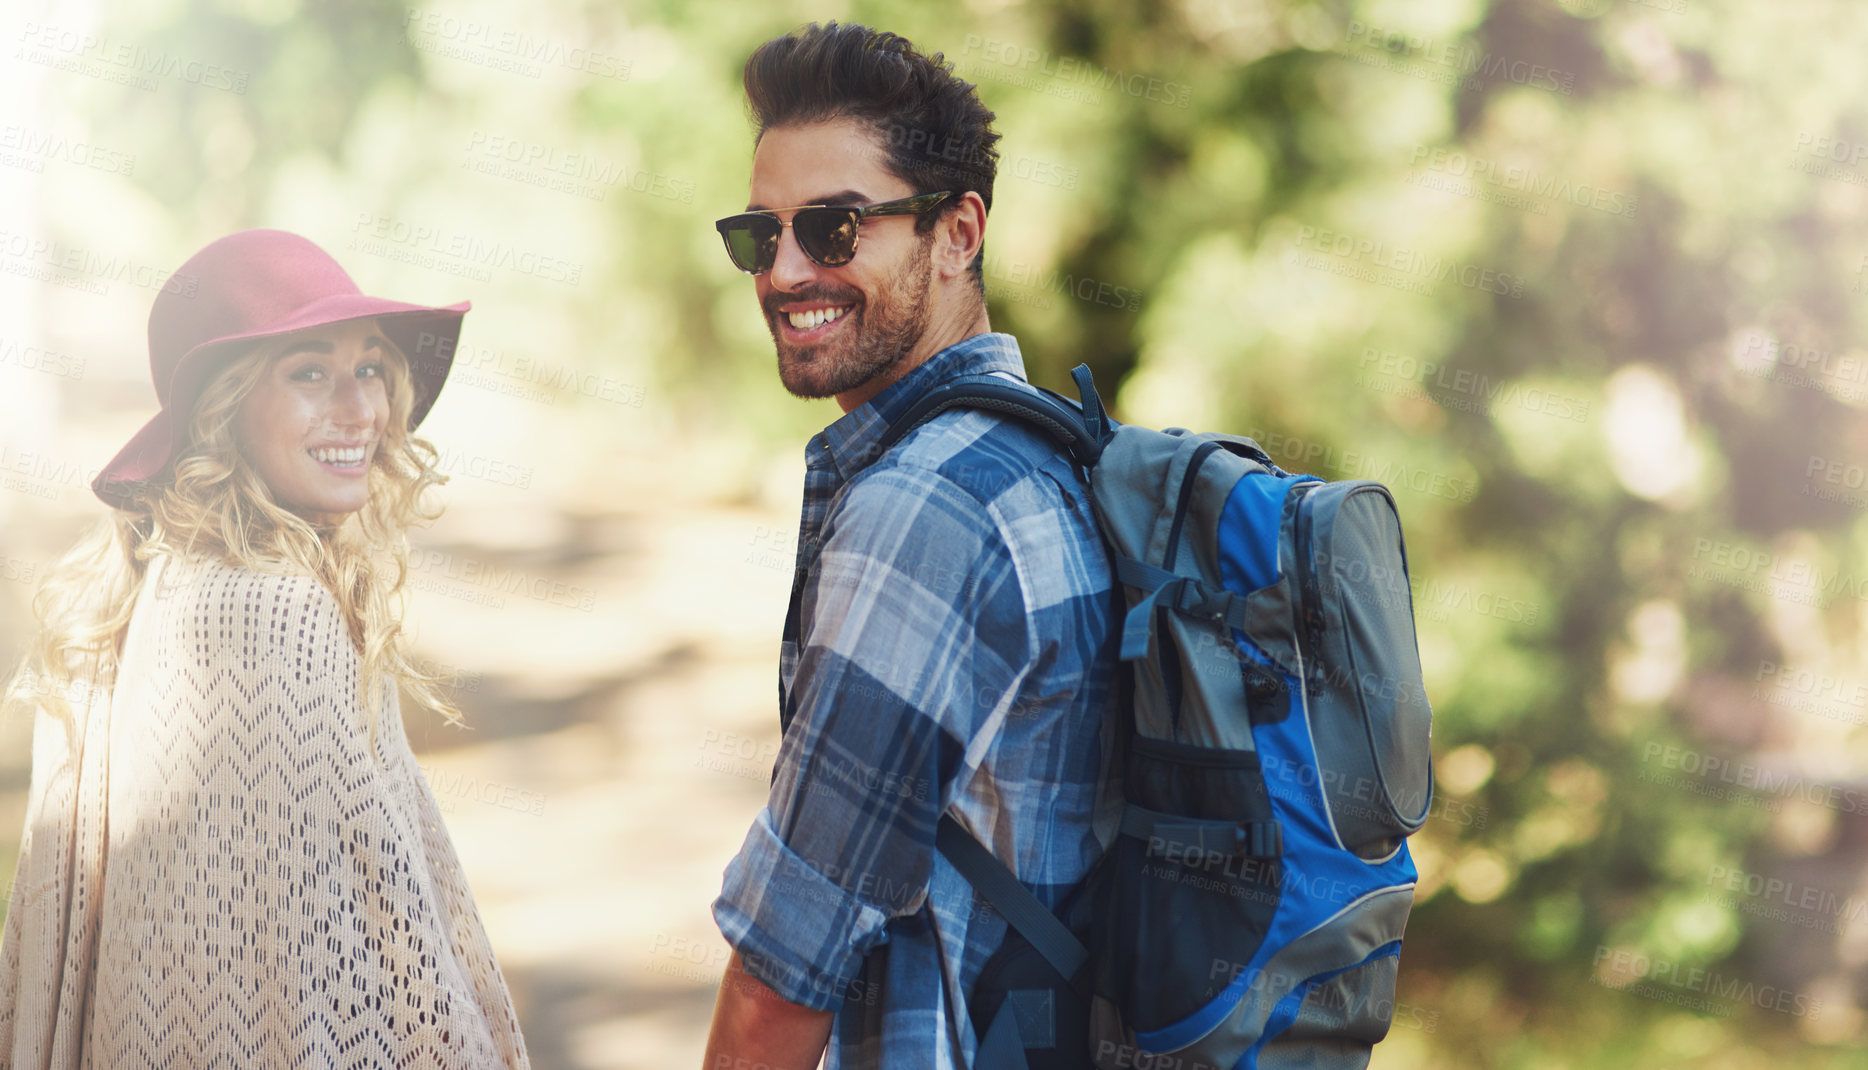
[{"x": 949, "y": 645}]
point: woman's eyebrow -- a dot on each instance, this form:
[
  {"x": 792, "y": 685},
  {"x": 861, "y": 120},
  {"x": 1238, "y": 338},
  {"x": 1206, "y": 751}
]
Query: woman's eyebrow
[
  {"x": 313, "y": 345},
  {"x": 310, "y": 345}
]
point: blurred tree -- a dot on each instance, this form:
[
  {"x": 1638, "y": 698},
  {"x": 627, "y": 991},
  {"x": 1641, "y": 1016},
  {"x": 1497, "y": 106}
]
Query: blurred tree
[{"x": 1580, "y": 278}]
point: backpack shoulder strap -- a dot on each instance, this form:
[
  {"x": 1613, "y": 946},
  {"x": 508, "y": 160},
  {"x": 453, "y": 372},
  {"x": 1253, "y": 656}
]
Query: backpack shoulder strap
[
  {"x": 1080, "y": 428},
  {"x": 1022, "y": 910}
]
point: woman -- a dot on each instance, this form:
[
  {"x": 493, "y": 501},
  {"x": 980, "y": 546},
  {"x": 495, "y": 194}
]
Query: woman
[{"x": 230, "y": 857}]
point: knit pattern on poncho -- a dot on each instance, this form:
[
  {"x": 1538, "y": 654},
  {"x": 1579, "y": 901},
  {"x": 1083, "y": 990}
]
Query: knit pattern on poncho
[{"x": 218, "y": 872}]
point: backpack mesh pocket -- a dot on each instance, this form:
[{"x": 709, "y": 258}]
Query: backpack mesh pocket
[{"x": 1165, "y": 907}]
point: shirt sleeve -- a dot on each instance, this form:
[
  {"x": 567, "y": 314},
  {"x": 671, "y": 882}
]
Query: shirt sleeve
[{"x": 916, "y": 644}]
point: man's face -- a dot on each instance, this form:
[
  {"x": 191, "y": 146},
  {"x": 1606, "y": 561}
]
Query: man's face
[{"x": 837, "y": 328}]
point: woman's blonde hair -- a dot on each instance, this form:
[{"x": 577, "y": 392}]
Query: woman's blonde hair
[{"x": 217, "y": 505}]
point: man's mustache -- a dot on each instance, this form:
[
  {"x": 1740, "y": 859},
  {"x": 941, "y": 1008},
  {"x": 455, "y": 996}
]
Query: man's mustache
[{"x": 828, "y": 296}]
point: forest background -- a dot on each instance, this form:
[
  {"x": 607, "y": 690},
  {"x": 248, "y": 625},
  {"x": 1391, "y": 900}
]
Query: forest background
[{"x": 1583, "y": 280}]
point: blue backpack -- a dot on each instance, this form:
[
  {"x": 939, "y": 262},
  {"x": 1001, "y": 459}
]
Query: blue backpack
[{"x": 1250, "y": 912}]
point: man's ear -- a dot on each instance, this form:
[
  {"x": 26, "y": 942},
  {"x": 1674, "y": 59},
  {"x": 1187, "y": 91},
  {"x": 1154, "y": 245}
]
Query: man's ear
[{"x": 959, "y": 234}]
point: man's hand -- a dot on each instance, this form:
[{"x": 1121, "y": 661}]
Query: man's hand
[{"x": 754, "y": 1026}]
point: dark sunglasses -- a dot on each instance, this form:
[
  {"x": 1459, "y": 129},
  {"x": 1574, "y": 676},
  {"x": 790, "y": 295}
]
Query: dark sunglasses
[{"x": 826, "y": 234}]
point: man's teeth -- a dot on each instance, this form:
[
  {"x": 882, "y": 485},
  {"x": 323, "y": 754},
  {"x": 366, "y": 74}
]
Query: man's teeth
[
  {"x": 804, "y": 321},
  {"x": 339, "y": 455}
]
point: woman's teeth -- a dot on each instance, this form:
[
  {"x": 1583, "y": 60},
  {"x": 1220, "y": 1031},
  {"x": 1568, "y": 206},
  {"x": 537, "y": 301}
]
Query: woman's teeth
[
  {"x": 804, "y": 321},
  {"x": 341, "y": 456}
]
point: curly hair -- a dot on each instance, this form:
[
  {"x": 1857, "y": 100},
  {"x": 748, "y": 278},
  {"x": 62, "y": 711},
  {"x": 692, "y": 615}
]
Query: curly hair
[
  {"x": 212, "y": 502},
  {"x": 931, "y": 128}
]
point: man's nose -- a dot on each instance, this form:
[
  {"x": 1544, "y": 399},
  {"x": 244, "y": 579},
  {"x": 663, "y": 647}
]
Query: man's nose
[{"x": 791, "y": 269}]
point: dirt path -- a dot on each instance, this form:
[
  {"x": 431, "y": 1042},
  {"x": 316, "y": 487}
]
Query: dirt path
[{"x": 624, "y": 735}]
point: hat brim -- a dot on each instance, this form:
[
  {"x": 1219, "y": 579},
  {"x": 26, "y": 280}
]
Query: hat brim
[
  {"x": 146, "y": 454},
  {"x": 427, "y": 336}
]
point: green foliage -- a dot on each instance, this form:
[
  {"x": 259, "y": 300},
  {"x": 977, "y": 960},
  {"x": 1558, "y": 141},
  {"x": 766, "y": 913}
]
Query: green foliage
[{"x": 1560, "y": 357}]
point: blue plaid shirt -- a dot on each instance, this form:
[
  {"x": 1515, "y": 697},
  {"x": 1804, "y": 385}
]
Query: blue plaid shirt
[{"x": 953, "y": 653}]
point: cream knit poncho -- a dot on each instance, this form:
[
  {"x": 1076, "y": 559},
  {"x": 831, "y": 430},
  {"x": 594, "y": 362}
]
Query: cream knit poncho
[{"x": 216, "y": 872}]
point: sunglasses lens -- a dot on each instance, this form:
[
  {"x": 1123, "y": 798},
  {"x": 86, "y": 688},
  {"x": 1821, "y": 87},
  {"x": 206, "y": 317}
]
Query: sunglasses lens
[
  {"x": 828, "y": 234},
  {"x": 752, "y": 241}
]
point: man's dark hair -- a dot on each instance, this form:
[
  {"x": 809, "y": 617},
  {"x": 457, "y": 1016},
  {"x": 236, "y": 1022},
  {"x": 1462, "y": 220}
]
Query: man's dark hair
[{"x": 934, "y": 132}]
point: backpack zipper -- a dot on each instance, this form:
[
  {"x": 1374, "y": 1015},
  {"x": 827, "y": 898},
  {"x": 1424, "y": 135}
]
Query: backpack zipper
[{"x": 1311, "y": 596}]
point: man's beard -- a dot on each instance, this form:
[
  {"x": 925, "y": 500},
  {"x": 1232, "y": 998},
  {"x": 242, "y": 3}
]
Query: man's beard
[{"x": 880, "y": 332}]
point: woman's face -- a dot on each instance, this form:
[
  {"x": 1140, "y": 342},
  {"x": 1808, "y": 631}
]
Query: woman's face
[{"x": 312, "y": 425}]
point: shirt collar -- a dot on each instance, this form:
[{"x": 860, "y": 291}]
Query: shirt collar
[{"x": 852, "y": 440}]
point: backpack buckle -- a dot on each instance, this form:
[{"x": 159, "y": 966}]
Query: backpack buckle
[{"x": 1195, "y": 599}]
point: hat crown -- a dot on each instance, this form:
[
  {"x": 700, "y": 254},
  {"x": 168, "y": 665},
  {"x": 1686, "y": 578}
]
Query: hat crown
[{"x": 242, "y": 284}]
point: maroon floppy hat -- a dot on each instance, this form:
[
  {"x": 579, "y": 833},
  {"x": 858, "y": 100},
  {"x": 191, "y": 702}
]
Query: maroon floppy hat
[{"x": 250, "y": 285}]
